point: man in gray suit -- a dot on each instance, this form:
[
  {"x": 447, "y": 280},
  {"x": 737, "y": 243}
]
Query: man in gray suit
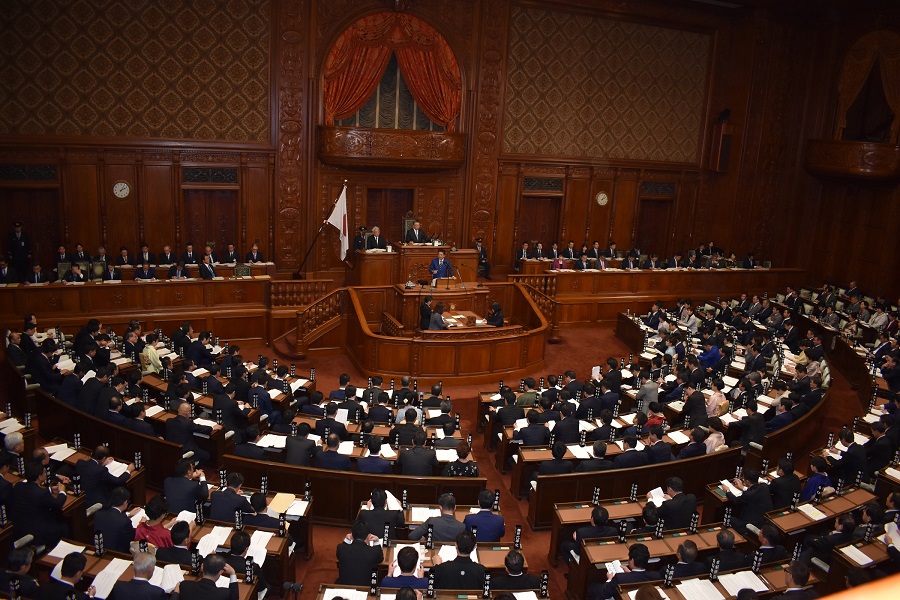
[
  {"x": 648, "y": 392},
  {"x": 446, "y": 527}
]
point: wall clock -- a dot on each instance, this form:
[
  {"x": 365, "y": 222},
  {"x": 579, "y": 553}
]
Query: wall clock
[
  {"x": 601, "y": 198},
  {"x": 121, "y": 189}
]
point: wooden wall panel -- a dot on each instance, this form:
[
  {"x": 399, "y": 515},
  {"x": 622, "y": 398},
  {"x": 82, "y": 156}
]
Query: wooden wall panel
[
  {"x": 120, "y": 214},
  {"x": 82, "y": 210},
  {"x": 623, "y": 199},
  {"x": 502, "y": 244},
  {"x": 158, "y": 206}
]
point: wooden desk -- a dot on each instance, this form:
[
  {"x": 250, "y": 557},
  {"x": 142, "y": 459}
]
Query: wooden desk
[
  {"x": 793, "y": 524},
  {"x": 569, "y": 516},
  {"x": 491, "y": 555},
  {"x": 376, "y": 268},
  {"x": 415, "y": 259},
  {"x": 596, "y": 552},
  {"x": 841, "y": 563},
  {"x": 279, "y": 565}
]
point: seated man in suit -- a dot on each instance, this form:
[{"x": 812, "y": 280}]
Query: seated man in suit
[
  {"x": 769, "y": 539},
  {"x": 534, "y": 434},
  {"x": 300, "y": 450},
  {"x": 678, "y": 507},
  {"x": 231, "y": 255},
  {"x": 331, "y": 458},
  {"x": 599, "y": 528},
  {"x": 214, "y": 567},
  {"x": 697, "y": 445},
  {"x": 445, "y": 528},
  {"x": 461, "y": 573},
  {"x": 145, "y": 272},
  {"x": 186, "y": 488},
  {"x": 7, "y": 275},
  {"x": 687, "y": 565},
  {"x": 418, "y": 460},
  {"x": 631, "y": 457},
  {"x": 583, "y": 263},
  {"x": 406, "y": 431},
  {"x": 179, "y": 271},
  {"x": 74, "y": 275},
  {"x": 729, "y": 558},
  {"x": 783, "y": 416},
  {"x": 490, "y": 527},
  {"x": 376, "y": 240},
  {"x": 416, "y": 235},
  {"x": 331, "y": 424},
  {"x": 254, "y": 256},
  {"x": 223, "y": 504},
  {"x": 18, "y": 564},
  {"x": 658, "y": 451},
  {"x": 599, "y": 462},
  {"x": 635, "y": 572},
  {"x": 412, "y": 574},
  {"x": 237, "y": 558},
  {"x": 96, "y": 480},
  {"x": 115, "y": 523},
  {"x": 181, "y": 429},
  {"x": 190, "y": 256},
  {"x": 71, "y": 573},
  {"x": 753, "y": 503},
  {"x": 248, "y": 448},
  {"x": 376, "y": 515},
  {"x": 515, "y": 578},
  {"x": 207, "y": 270},
  {"x": 558, "y": 465},
  {"x": 180, "y": 552},
  {"x": 374, "y": 463},
  {"x": 36, "y": 511},
  {"x": 124, "y": 259},
  {"x": 112, "y": 273}
]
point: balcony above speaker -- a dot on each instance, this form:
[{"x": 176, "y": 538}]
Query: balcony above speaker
[
  {"x": 856, "y": 160},
  {"x": 391, "y": 148}
]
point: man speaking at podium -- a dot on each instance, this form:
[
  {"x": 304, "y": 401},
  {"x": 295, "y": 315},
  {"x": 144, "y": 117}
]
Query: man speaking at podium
[{"x": 440, "y": 268}]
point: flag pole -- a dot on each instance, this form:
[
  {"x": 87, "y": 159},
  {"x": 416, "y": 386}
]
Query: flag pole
[{"x": 319, "y": 232}]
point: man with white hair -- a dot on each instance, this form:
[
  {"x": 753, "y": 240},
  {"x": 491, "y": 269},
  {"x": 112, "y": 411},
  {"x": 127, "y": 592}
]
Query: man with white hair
[
  {"x": 139, "y": 587},
  {"x": 376, "y": 240},
  {"x": 15, "y": 446}
]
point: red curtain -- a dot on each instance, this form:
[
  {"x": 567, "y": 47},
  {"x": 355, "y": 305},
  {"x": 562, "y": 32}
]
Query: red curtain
[{"x": 360, "y": 55}]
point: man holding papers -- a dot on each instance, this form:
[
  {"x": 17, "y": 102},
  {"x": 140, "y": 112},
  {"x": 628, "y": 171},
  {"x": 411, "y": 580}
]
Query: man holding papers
[{"x": 461, "y": 573}]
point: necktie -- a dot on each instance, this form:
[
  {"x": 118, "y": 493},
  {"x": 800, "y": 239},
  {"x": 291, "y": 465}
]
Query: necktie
[{"x": 36, "y": 278}]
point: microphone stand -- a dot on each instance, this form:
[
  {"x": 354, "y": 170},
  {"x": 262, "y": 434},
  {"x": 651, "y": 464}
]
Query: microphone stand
[
  {"x": 449, "y": 274},
  {"x": 480, "y": 284}
]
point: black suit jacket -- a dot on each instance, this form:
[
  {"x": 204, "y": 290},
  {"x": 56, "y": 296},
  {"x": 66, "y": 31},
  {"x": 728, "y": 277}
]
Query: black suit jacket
[
  {"x": 377, "y": 518},
  {"x": 783, "y": 489},
  {"x": 458, "y": 574},
  {"x": 754, "y": 503},
  {"x": 772, "y": 554},
  {"x": 233, "y": 418},
  {"x": 58, "y": 590},
  {"x": 137, "y": 589},
  {"x": 181, "y": 431},
  {"x": 116, "y": 528},
  {"x": 852, "y": 461},
  {"x": 418, "y": 461},
  {"x": 379, "y": 242},
  {"x": 677, "y": 511},
  {"x": 356, "y": 562},
  {"x": 753, "y": 429},
  {"x": 181, "y": 556},
  {"x": 97, "y": 482},
  {"x": 533, "y": 435},
  {"x": 182, "y": 493},
  {"x": 333, "y": 426},
  {"x": 692, "y": 449},
  {"x": 728, "y": 560},
  {"x": 223, "y": 505},
  {"x": 300, "y": 451},
  {"x": 34, "y": 510},
  {"x": 631, "y": 458},
  {"x": 659, "y": 452},
  {"x": 28, "y": 586},
  {"x": 206, "y": 589},
  {"x": 332, "y": 460},
  {"x": 567, "y": 430},
  {"x": 878, "y": 453},
  {"x": 248, "y": 450},
  {"x": 525, "y": 581}
]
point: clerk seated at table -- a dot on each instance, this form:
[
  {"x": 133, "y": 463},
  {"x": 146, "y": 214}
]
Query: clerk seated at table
[
  {"x": 437, "y": 318},
  {"x": 146, "y": 272},
  {"x": 74, "y": 275},
  {"x": 495, "y": 317},
  {"x": 112, "y": 273},
  {"x": 376, "y": 240},
  {"x": 582, "y": 263},
  {"x": 179, "y": 271}
]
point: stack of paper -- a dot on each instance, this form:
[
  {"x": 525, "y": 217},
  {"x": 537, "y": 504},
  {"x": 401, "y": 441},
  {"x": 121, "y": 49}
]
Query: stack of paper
[
  {"x": 204, "y": 422},
  {"x": 448, "y": 552},
  {"x": 347, "y": 594},
  {"x": 346, "y": 448},
  {"x": 59, "y": 452},
  {"x": 186, "y": 516},
  {"x": 657, "y": 496},
  {"x": 64, "y": 548},
  {"x": 419, "y": 514},
  {"x": 731, "y": 488},
  {"x": 579, "y": 451},
  {"x": 699, "y": 589},
  {"x": 105, "y": 580},
  {"x": 279, "y": 504},
  {"x": 679, "y": 437},
  {"x": 445, "y": 454},
  {"x": 812, "y": 512},
  {"x": 136, "y": 517},
  {"x": 677, "y": 406},
  {"x": 856, "y": 555},
  {"x": 116, "y": 468},
  {"x": 10, "y": 425},
  {"x": 152, "y": 411},
  {"x": 274, "y": 393},
  {"x": 892, "y": 472},
  {"x": 167, "y": 577},
  {"x": 297, "y": 508},
  {"x": 734, "y": 582},
  {"x": 199, "y": 372},
  {"x": 271, "y": 440},
  {"x": 621, "y": 445}
]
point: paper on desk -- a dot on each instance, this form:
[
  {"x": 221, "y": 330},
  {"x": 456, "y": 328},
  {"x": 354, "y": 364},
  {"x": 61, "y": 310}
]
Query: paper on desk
[
  {"x": 152, "y": 411},
  {"x": 280, "y": 503},
  {"x": 892, "y": 472},
  {"x": 551, "y": 425},
  {"x": 662, "y": 594},
  {"x": 347, "y": 594},
  {"x": 53, "y": 448},
  {"x": 199, "y": 372},
  {"x": 105, "y": 580},
  {"x": 812, "y": 512},
  {"x": 204, "y": 422},
  {"x": 346, "y": 448},
  {"x": 699, "y": 589},
  {"x": 257, "y": 553},
  {"x": 297, "y": 508},
  {"x": 432, "y": 413},
  {"x": 64, "y": 548},
  {"x": 657, "y": 496},
  {"x": 448, "y": 552},
  {"x": 63, "y": 454},
  {"x": 314, "y": 438},
  {"x": 419, "y": 514},
  {"x": 223, "y": 582},
  {"x": 859, "y": 438},
  {"x": 261, "y": 539},
  {"x": 621, "y": 445},
  {"x": 730, "y": 381},
  {"x": 677, "y": 406},
  {"x": 298, "y": 383},
  {"x": 871, "y": 418},
  {"x": 445, "y": 454},
  {"x": 740, "y": 413},
  {"x": 136, "y": 518},
  {"x": 579, "y": 452},
  {"x": 116, "y": 468},
  {"x": 120, "y": 361},
  {"x": 731, "y": 488},
  {"x": 679, "y": 437},
  {"x": 342, "y": 416},
  {"x": 856, "y": 555},
  {"x": 586, "y": 426},
  {"x": 439, "y": 434},
  {"x": 496, "y": 396},
  {"x": 65, "y": 365},
  {"x": 88, "y": 375},
  {"x": 274, "y": 393},
  {"x": 271, "y": 440},
  {"x": 614, "y": 567},
  {"x": 734, "y": 582},
  {"x": 388, "y": 452},
  {"x": 522, "y": 595},
  {"x": 167, "y": 577}
]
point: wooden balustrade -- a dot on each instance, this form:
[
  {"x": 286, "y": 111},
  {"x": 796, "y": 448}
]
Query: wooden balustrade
[
  {"x": 318, "y": 318},
  {"x": 547, "y": 306},
  {"x": 391, "y": 326},
  {"x": 546, "y": 284},
  {"x": 297, "y": 292}
]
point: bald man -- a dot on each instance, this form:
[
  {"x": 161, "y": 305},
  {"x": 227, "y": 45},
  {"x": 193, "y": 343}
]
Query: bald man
[{"x": 181, "y": 431}]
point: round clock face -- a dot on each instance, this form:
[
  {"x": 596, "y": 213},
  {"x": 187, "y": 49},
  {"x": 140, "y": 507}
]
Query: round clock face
[
  {"x": 601, "y": 198},
  {"x": 121, "y": 189}
]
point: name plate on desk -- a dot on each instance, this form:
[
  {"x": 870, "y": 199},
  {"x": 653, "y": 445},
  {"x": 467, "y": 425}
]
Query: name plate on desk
[{"x": 242, "y": 271}]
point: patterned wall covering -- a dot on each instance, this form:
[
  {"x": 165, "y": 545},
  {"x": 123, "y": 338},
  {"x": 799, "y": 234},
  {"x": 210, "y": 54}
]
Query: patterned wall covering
[
  {"x": 138, "y": 68},
  {"x": 579, "y": 85}
]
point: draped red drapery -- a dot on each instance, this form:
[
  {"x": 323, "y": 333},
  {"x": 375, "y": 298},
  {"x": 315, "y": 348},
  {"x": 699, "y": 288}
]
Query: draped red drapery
[{"x": 360, "y": 55}]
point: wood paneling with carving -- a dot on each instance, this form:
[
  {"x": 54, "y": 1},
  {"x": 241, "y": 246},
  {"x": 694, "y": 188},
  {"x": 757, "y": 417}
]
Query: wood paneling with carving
[{"x": 352, "y": 147}]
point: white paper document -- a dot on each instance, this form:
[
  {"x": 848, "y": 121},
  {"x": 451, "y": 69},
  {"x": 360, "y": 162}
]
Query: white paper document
[
  {"x": 812, "y": 512},
  {"x": 580, "y": 452},
  {"x": 107, "y": 578},
  {"x": 116, "y": 468},
  {"x": 699, "y": 589},
  {"x": 679, "y": 437},
  {"x": 734, "y": 582},
  {"x": 657, "y": 496},
  {"x": 856, "y": 555},
  {"x": 64, "y": 548},
  {"x": 419, "y": 514},
  {"x": 167, "y": 577}
]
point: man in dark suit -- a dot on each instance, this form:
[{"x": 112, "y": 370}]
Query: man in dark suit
[
  {"x": 630, "y": 457},
  {"x": 35, "y": 511},
  {"x": 190, "y": 256},
  {"x": 407, "y": 430},
  {"x": 18, "y": 564},
  {"x": 752, "y": 427},
  {"x": 198, "y": 352},
  {"x": 591, "y": 405},
  {"x": 114, "y": 523},
  {"x": 694, "y": 405},
  {"x": 783, "y": 487},
  {"x": 234, "y": 413},
  {"x": 354, "y": 409},
  {"x": 599, "y": 462},
  {"x": 599, "y": 528},
  {"x": 534, "y": 434},
  {"x": 255, "y": 256},
  {"x": 330, "y": 458},
  {"x": 207, "y": 271},
  {"x": 380, "y": 412},
  {"x": 376, "y": 240},
  {"x": 558, "y": 465},
  {"x": 483, "y": 262},
  {"x": 186, "y": 488},
  {"x": 237, "y": 558},
  {"x": 687, "y": 565},
  {"x": 167, "y": 257},
  {"x": 415, "y": 235},
  {"x": 376, "y": 515},
  {"x": 490, "y": 526},
  {"x": 419, "y": 460},
  {"x": 753, "y": 503},
  {"x": 852, "y": 461},
  {"x": 791, "y": 336},
  {"x": 96, "y": 480},
  {"x": 567, "y": 430},
  {"x": 37, "y": 276},
  {"x": 14, "y": 351},
  {"x": 223, "y": 504},
  {"x": 70, "y": 573},
  {"x": 515, "y": 578},
  {"x": 301, "y": 450},
  {"x": 796, "y": 578},
  {"x": 696, "y": 447},
  {"x": 214, "y": 566},
  {"x": 249, "y": 449},
  {"x": 374, "y": 463},
  {"x": 179, "y": 271},
  {"x": 729, "y": 558},
  {"x": 783, "y": 416},
  {"x": 657, "y": 450},
  {"x": 181, "y": 430},
  {"x": 582, "y": 264},
  {"x": 231, "y": 255},
  {"x": 461, "y": 573},
  {"x": 137, "y": 423},
  {"x": 356, "y": 558},
  {"x": 42, "y": 368},
  {"x": 112, "y": 273},
  {"x": 878, "y": 450},
  {"x": 331, "y": 424},
  {"x": 678, "y": 508},
  {"x": 769, "y": 539},
  {"x": 638, "y": 558},
  {"x": 180, "y": 553}
]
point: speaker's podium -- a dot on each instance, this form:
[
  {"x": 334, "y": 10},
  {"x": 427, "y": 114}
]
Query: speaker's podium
[{"x": 410, "y": 262}]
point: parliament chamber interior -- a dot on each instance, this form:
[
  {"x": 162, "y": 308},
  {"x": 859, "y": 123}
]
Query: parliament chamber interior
[{"x": 510, "y": 299}]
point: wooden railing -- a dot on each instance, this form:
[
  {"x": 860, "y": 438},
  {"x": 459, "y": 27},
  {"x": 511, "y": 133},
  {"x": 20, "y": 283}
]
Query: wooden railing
[
  {"x": 318, "y": 318},
  {"x": 299, "y": 292},
  {"x": 548, "y": 308},
  {"x": 546, "y": 284},
  {"x": 391, "y": 326}
]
